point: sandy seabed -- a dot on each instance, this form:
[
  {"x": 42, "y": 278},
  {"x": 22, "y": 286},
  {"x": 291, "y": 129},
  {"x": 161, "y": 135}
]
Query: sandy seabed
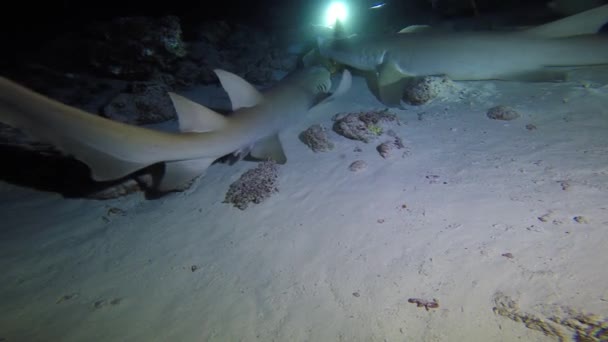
[{"x": 504, "y": 223}]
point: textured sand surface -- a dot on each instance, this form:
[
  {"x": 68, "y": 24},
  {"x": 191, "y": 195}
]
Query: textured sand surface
[{"x": 335, "y": 255}]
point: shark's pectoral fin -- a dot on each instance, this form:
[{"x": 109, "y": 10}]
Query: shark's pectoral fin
[
  {"x": 104, "y": 167},
  {"x": 194, "y": 117},
  {"x": 345, "y": 83},
  {"x": 178, "y": 175},
  {"x": 241, "y": 93},
  {"x": 391, "y": 83},
  {"x": 269, "y": 148},
  {"x": 415, "y": 28}
]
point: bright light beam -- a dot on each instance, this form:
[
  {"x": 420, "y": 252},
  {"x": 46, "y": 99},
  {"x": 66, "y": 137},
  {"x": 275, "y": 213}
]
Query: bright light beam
[{"x": 335, "y": 11}]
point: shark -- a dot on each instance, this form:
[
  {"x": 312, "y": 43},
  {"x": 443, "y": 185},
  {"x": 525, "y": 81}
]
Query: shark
[
  {"x": 114, "y": 150},
  {"x": 569, "y": 7},
  {"x": 540, "y": 53}
]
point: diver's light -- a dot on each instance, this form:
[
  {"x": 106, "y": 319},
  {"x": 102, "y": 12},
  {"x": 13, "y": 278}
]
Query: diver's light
[{"x": 335, "y": 11}]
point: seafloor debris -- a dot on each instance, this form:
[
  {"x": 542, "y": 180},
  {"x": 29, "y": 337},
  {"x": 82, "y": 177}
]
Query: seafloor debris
[
  {"x": 564, "y": 184},
  {"x": 67, "y": 297},
  {"x": 421, "y": 90},
  {"x": 561, "y": 322},
  {"x": 104, "y": 302},
  {"x": 254, "y": 186},
  {"x": 357, "y": 165},
  {"x": 316, "y": 138},
  {"x": 427, "y": 304},
  {"x": 502, "y": 113},
  {"x": 580, "y": 219},
  {"x": 508, "y": 255},
  {"x": 531, "y": 127},
  {"x": 363, "y": 126}
]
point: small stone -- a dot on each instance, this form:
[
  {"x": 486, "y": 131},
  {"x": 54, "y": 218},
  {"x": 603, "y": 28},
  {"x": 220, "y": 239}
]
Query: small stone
[
  {"x": 384, "y": 149},
  {"x": 356, "y": 294},
  {"x": 358, "y": 165},
  {"x": 502, "y": 113}
]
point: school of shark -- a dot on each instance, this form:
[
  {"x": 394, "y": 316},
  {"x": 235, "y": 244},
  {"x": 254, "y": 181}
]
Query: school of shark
[{"x": 113, "y": 150}]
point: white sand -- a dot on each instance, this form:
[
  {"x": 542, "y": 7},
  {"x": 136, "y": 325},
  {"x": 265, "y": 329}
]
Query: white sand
[{"x": 314, "y": 262}]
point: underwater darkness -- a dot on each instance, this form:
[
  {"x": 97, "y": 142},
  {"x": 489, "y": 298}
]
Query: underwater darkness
[
  {"x": 27, "y": 25},
  {"x": 30, "y": 19}
]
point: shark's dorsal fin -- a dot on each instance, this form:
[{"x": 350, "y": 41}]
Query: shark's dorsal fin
[
  {"x": 194, "y": 117},
  {"x": 241, "y": 93},
  {"x": 339, "y": 30},
  {"x": 415, "y": 28},
  {"x": 588, "y": 22},
  {"x": 269, "y": 148}
]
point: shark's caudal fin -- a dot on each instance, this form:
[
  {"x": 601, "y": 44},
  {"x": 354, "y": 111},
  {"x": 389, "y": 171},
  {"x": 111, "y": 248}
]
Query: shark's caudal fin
[
  {"x": 111, "y": 150},
  {"x": 588, "y": 22},
  {"x": 104, "y": 145}
]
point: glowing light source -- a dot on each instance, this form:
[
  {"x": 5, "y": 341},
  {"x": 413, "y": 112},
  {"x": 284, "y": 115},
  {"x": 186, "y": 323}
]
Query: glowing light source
[{"x": 335, "y": 11}]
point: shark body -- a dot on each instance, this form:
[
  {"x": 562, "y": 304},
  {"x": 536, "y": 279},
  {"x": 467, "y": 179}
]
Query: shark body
[
  {"x": 113, "y": 150},
  {"x": 474, "y": 55}
]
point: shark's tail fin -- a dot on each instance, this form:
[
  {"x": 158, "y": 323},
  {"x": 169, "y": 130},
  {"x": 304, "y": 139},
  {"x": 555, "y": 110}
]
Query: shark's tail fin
[
  {"x": 339, "y": 30},
  {"x": 111, "y": 150},
  {"x": 587, "y": 22},
  {"x": 104, "y": 145}
]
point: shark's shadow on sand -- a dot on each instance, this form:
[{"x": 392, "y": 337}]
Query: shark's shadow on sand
[
  {"x": 115, "y": 152},
  {"x": 51, "y": 171},
  {"x": 48, "y": 170}
]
